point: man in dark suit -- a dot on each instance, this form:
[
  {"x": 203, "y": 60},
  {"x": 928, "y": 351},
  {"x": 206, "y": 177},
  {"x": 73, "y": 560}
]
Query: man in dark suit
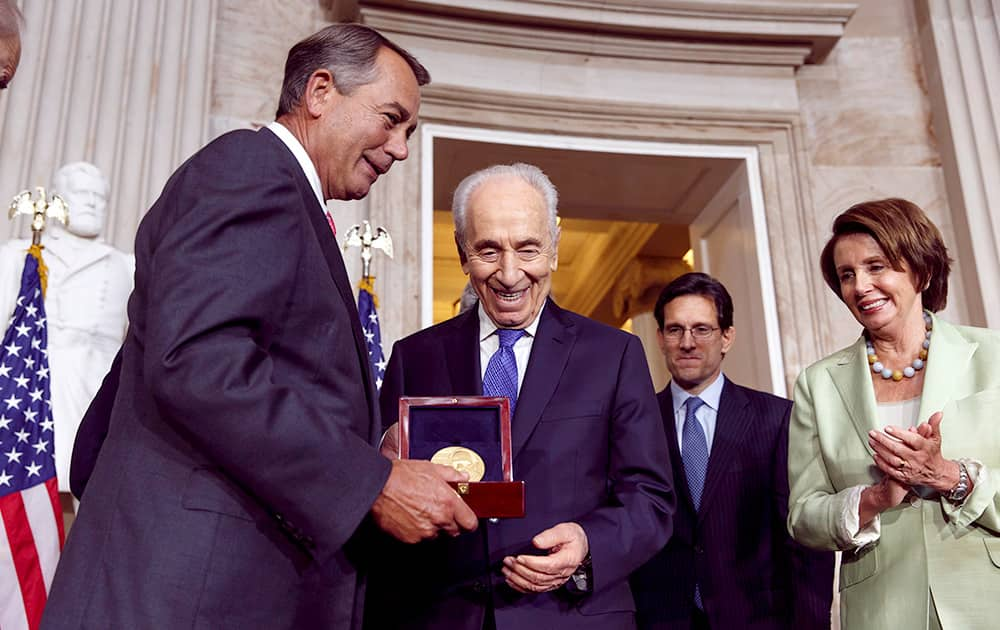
[
  {"x": 730, "y": 563},
  {"x": 233, "y": 479},
  {"x": 586, "y": 433}
]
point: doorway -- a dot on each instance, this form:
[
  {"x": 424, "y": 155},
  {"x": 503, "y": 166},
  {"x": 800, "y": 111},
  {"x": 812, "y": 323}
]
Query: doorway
[{"x": 630, "y": 211}]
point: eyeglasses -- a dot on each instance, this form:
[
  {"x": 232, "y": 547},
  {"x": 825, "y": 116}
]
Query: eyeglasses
[{"x": 700, "y": 332}]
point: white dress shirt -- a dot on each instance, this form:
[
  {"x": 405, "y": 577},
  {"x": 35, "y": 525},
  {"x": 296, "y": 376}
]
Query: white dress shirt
[
  {"x": 707, "y": 414},
  {"x": 305, "y": 162},
  {"x": 489, "y": 343}
]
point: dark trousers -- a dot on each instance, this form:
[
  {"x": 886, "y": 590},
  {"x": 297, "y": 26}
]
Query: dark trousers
[{"x": 699, "y": 620}]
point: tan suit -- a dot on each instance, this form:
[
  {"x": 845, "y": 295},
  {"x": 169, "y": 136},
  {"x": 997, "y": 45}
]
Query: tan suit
[{"x": 925, "y": 545}]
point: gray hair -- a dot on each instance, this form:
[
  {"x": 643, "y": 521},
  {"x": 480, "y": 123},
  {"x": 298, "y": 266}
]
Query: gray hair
[
  {"x": 468, "y": 299},
  {"x": 530, "y": 174},
  {"x": 10, "y": 19},
  {"x": 60, "y": 180},
  {"x": 348, "y": 51}
]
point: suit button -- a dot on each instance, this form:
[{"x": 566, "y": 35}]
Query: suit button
[
  {"x": 479, "y": 586},
  {"x": 698, "y": 549}
]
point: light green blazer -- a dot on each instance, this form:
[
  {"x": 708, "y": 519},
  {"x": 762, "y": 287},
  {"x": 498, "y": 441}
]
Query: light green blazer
[{"x": 924, "y": 544}]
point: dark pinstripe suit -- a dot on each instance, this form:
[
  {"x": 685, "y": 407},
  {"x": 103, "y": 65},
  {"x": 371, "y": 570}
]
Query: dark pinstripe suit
[{"x": 750, "y": 573}]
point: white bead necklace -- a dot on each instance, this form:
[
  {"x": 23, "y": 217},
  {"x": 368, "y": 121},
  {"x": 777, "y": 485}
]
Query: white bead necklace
[{"x": 910, "y": 370}]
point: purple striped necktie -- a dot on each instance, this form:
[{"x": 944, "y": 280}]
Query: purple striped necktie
[{"x": 500, "y": 378}]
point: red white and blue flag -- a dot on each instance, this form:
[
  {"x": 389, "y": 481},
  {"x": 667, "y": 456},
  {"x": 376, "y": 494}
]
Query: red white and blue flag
[
  {"x": 31, "y": 536},
  {"x": 367, "y": 304}
]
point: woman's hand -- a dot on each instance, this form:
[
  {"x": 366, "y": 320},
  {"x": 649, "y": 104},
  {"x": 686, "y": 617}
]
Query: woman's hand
[
  {"x": 913, "y": 457},
  {"x": 879, "y": 497}
]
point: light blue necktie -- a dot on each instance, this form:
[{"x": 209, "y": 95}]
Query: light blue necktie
[
  {"x": 500, "y": 378},
  {"x": 694, "y": 452}
]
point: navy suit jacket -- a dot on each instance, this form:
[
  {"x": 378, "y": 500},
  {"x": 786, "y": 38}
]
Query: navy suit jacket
[
  {"x": 228, "y": 460},
  {"x": 589, "y": 445},
  {"x": 750, "y": 573}
]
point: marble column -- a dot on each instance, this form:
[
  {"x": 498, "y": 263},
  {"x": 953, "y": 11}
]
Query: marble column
[
  {"x": 125, "y": 84},
  {"x": 960, "y": 42}
]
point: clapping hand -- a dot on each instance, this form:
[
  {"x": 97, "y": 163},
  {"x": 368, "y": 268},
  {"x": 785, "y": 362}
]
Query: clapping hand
[{"x": 913, "y": 456}]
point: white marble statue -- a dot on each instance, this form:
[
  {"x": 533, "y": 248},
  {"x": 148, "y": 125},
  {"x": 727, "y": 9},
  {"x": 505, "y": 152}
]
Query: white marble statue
[{"x": 89, "y": 284}]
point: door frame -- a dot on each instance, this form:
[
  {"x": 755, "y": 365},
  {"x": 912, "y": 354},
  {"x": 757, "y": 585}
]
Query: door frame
[{"x": 749, "y": 154}]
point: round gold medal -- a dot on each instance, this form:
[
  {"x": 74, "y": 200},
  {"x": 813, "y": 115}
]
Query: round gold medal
[{"x": 461, "y": 459}]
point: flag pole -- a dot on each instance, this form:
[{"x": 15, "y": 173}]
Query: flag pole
[
  {"x": 41, "y": 209},
  {"x": 29, "y": 490},
  {"x": 364, "y": 237}
]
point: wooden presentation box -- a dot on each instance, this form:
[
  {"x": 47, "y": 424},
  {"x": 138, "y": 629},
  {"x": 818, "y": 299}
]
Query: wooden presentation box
[{"x": 478, "y": 423}]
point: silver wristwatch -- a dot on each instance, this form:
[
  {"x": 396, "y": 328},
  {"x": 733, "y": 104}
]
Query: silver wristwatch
[{"x": 961, "y": 490}]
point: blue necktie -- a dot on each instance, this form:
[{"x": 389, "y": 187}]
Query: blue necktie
[
  {"x": 500, "y": 378},
  {"x": 694, "y": 452}
]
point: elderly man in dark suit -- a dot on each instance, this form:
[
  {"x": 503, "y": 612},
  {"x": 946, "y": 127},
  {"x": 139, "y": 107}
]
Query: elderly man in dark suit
[
  {"x": 586, "y": 433},
  {"x": 238, "y": 477},
  {"x": 731, "y": 562}
]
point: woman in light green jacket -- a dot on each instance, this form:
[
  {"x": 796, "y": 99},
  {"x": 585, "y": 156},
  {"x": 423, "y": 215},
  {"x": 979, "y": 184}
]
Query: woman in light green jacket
[{"x": 894, "y": 443}]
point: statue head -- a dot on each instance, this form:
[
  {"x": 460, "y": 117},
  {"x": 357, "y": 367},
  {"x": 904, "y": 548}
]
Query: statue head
[{"x": 85, "y": 190}]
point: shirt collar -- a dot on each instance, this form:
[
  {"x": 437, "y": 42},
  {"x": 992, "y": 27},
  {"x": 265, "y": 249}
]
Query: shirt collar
[
  {"x": 487, "y": 327},
  {"x": 305, "y": 162},
  {"x": 710, "y": 395}
]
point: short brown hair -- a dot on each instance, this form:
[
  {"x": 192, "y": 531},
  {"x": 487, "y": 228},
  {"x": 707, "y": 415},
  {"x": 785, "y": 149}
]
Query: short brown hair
[
  {"x": 906, "y": 235},
  {"x": 348, "y": 51}
]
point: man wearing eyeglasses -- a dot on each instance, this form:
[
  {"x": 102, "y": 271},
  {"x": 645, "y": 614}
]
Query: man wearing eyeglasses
[{"x": 730, "y": 562}]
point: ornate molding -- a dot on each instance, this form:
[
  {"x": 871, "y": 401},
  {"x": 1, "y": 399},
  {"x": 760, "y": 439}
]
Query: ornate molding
[
  {"x": 741, "y": 32},
  {"x": 640, "y": 283},
  {"x": 607, "y": 256}
]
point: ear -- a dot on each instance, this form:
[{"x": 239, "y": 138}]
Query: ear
[
  {"x": 554, "y": 261},
  {"x": 728, "y": 337},
  {"x": 661, "y": 341},
  {"x": 319, "y": 93},
  {"x": 461, "y": 255}
]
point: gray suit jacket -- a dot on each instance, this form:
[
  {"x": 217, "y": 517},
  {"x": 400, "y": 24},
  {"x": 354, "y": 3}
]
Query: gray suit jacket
[{"x": 237, "y": 465}]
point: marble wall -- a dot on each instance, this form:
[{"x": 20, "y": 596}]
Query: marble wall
[{"x": 867, "y": 127}]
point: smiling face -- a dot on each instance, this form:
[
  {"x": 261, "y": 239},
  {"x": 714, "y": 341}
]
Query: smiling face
[
  {"x": 693, "y": 363},
  {"x": 357, "y": 137},
  {"x": 508, "y": 252},
  {"x": 882, "y": 299}
]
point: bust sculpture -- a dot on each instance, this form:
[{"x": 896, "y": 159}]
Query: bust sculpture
[{"x": 85, "y": 303}]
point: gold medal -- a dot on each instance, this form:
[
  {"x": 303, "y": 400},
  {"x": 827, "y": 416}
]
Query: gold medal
[{"x": 461, "y": 459}]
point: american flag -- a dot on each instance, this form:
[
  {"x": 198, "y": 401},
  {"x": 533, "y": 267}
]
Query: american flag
[
  {"x": 32, "y": 533},
  {"x": 369, "y": 323}
]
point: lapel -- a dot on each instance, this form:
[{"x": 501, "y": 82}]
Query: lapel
[
  {"x": 549, "y": 354},
  {"x": 335, "y": 262},
  {"x": 948, "y": 361},
  {"x": 732, "y": 423},
  {"x": 850, "y": 375},
  {"x": 666, "y": 400},
  {"x": 460, "y": 348}
]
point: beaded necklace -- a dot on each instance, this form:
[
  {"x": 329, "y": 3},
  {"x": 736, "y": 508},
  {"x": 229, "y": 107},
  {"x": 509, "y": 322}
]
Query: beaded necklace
[{"x": 910, "y": 370}]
